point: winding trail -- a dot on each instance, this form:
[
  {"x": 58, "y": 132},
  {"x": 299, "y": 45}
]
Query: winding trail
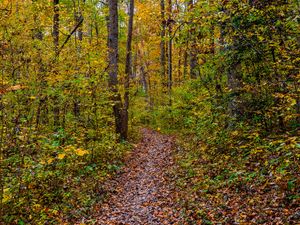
[{"x": 143, "y": 193}]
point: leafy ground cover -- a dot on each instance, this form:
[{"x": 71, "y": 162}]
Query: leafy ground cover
[{"x": 143, "y": 192}]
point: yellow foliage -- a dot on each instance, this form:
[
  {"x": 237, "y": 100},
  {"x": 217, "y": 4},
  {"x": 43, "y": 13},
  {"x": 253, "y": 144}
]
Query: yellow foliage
[
  {"x": 81, "y": 152},
  {"x": 235, "y": 133},
  {"x": 61, "y": 156},
  {"x": 6, "y": 195},
  {"x": 69, "y": 148},
  {"x": 49, "y": 161}
]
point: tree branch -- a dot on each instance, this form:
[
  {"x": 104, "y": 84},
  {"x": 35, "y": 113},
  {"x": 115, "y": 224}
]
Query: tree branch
[{"x": 70, "y": 35}]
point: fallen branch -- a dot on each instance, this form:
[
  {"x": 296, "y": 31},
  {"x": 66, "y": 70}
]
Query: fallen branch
[{"x": 12, "y": 88}]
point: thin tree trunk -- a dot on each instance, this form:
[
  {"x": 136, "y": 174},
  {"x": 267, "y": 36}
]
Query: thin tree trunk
[
  {"x": 193, "y": 50},
  {"x": 170, "y": 65},
  {"x": 144, "y": 79},
  {"x": 162, "y": 42},
  {"x": 178, "y": 80},
  {"x": 234, "y": 83},
  {"x": 185, "y": 62},
  {"x": 38, "y": 34},
  {"x": 233, "y": 76},
  {"x": 128, "y": 71},
  {"x": 78, "y": 19},
  {"x": 113, "y": 51},
  {"x": 55, "y": 34},
  {"x": 2, "y": 174}
]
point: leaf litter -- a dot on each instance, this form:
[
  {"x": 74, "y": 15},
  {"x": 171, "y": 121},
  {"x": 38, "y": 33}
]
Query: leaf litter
[{"x": 143, "y": 192}]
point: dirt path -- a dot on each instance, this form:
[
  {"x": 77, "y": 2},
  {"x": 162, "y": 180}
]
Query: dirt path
[{"x": 143, "y": 193}]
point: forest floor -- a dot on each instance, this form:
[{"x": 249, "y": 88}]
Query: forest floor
[{"x": 143, "y": 192}]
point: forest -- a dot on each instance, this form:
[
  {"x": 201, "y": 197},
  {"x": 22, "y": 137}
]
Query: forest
[{"x": 149, "y": 112}]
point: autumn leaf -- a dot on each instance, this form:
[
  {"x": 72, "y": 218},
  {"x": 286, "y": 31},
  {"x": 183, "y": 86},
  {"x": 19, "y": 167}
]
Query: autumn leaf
[
  {"x": 61, "y": 156},
  {"x": 49, "y": 161},
  {"x": 81, "y": 152}
]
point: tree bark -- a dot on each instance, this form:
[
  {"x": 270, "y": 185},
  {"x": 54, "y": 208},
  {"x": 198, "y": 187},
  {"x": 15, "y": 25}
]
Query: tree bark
[
  {"x": 55, "y": 34},
  {"x": 79, "y": 21},
  {"x": 162, "y": 42},
  {"x": 234, "y": 80},
  {"x": 113, "y": 51},
  {"x": 170, "y": 65},
  {"x": 234, "y": 83},
  {"x": 193, "y": 50},
  {"x": 128, "y": 71}
]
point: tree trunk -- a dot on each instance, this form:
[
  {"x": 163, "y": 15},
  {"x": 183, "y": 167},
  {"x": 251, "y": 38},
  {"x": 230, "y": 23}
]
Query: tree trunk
[
  {"x": 55, "y": 34},
  {"x": 193, "y": 62},
  {"x": 113, "y": 50},
  {"x": 234, "y": 83},
  {"x": 162, "y": 42},
  {"x": 2, "y": 174},
  {"x": 78, "y": 19},
  {"x": 193, "y": 50},
  {"x": 128, "y": 71},
  {"x": 179, "y": 72},
  {"x": 144, "y": 80},
  {"x": 185, "y": 62},
  {"x": 170, "y": 65}
]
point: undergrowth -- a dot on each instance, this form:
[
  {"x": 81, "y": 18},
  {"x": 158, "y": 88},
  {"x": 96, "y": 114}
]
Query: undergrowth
[
  {"x": 229, "y": 171},
  {"x": 52, "y": 177}
]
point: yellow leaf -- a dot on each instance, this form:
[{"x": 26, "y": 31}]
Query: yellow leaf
[
  {"x": 69, "y": 148},
  {"x": 81, "y": 152},
  {"x": 61, "y": 156},
  {"x": 6, "y": 195},
  {"x": 49, "y": 161},
  {"x": 37, "y": 206},
  {"x": 235, "y": 133}
]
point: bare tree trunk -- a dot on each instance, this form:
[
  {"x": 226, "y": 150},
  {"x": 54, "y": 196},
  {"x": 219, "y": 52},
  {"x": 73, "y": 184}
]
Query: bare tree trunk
[
  {"x": 78, "y": 19},
  {"x": 170, "y": 65},
  {"x": 38, "y": 34},
  {"x": 193, "y": 62},
  {"x": 233, "y": 76},
  {"x": 2, "y": 156},
  {"x": 179, "y": 72},
  {"x": 144, "y": 80},
  {"x": 162, "y": 42},
  {"x": 128, "y": 71},
  {"x": 113, "y": 46},
  {"x": 55, "y": 34},
  {"x": 193, "y": 50},
  {"x": 234, "y": 83},
  {"x": 185, "y": 62}
]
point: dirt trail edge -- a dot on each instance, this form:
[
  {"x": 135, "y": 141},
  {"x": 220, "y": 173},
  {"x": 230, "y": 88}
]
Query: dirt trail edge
[{"x": 143, "y": 193}]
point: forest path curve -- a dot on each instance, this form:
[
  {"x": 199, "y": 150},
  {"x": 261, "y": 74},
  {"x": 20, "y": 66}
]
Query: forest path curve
[{"x": 144, "y": 192}]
